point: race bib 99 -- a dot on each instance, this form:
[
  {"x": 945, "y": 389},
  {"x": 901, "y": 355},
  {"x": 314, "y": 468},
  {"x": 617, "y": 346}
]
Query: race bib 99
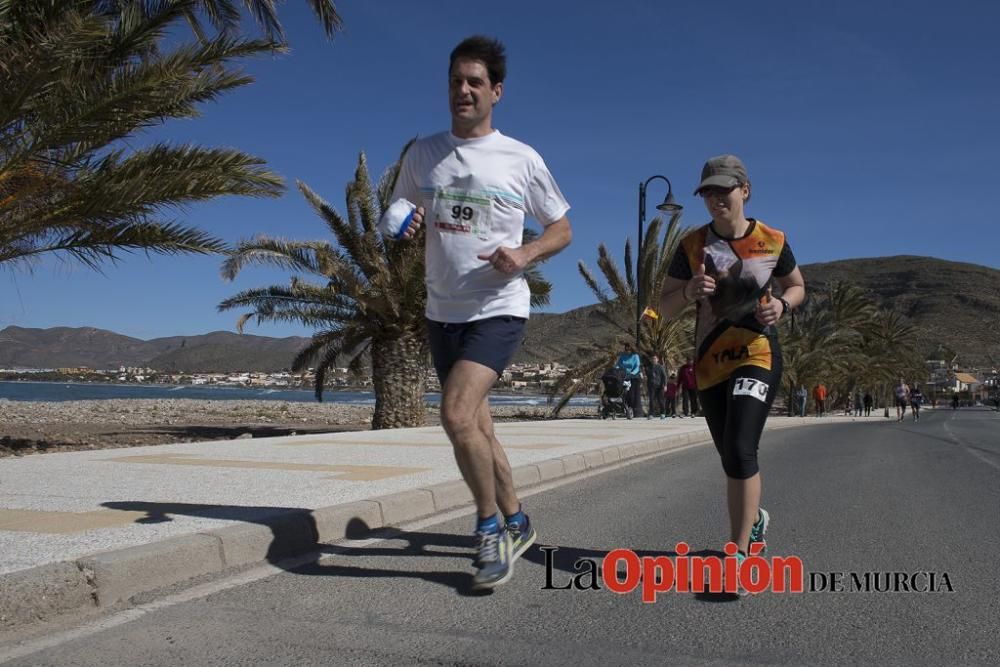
[{"x": 462, "y": 212}]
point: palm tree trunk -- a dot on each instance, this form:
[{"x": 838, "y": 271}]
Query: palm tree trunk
[{"x": 398, "y": 367}]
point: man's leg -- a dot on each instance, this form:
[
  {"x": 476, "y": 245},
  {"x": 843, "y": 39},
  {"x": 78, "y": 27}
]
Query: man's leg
[
  {"x": 506, "y": 496},
  {"x": 694, "y": 401},
  {"x": 517, "y": 524},
  {"x": 463, "y": 401},
  {"x": 463, "y": 395}
]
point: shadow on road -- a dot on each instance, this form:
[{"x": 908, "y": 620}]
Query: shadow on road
[{"x": 295, "y": 534}]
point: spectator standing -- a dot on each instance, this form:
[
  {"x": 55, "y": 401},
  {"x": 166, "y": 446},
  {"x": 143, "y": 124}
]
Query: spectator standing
[
  {"x": 629, "y": 362},
  {"x": 655, "y": 382},
  {"x": 819, "y": 396},
  {"x": 689, "y": 385},
  {"x": 801, "y": 396},
  {"x": 670, "y": 395}
]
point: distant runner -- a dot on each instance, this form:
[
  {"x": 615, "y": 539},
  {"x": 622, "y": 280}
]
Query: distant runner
[
  {"x": 902, "y": 393},
  {"x": 916, "y": 400}
]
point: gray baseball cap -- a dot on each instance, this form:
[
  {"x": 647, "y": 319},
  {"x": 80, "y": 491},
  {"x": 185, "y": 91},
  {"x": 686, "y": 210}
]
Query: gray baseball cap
[{"x": 723, "y": 171}]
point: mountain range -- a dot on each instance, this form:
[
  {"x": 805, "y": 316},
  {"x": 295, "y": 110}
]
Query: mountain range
[
  {"x": 216, "y": 352},
  {"x": 954, "y": 307}
]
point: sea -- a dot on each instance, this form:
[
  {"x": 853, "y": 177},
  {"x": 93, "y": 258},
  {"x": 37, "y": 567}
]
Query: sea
[{"x": 68, "y": 391}]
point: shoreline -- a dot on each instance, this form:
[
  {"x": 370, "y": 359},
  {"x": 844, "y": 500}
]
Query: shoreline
[
  {"x": 28, "y": 427},
  {"x": 347, "y": 389},
  {"x": 251, "y": 391}
]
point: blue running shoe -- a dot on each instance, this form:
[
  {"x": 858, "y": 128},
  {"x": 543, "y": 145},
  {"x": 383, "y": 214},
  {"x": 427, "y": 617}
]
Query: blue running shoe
[
  {"x": 493, "y": 560},
  {"x": 759, "y": 528},
  {"x": 522, "y": 536}
]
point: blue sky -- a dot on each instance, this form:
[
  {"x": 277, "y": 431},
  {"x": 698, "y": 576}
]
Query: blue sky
[{"x": 869, "y": 129}]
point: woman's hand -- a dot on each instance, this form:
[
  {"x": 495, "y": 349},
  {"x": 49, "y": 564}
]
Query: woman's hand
[
  {"x": 700, "y": 285},
  {"x": 769, "y": 309}
]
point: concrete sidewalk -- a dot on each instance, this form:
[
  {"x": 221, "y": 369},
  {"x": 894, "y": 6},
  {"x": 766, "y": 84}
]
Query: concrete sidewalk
[{"x": 81, "y": 530}]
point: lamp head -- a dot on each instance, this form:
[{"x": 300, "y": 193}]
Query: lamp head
[{"x": 669, "y": 204}]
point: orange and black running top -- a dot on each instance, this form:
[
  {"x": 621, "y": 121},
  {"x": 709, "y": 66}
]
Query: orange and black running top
[{"x": 727, "y": 334}]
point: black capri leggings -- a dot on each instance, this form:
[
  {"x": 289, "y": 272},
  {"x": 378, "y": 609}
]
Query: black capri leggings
[{"x": 736, "y": 411}]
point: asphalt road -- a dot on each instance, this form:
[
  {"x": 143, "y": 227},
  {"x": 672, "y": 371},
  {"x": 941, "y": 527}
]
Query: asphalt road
[{"x": 846, "y": 498}]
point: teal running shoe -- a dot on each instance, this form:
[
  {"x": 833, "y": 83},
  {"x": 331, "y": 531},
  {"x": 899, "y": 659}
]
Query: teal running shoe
[{"x": 759, "y": 528}]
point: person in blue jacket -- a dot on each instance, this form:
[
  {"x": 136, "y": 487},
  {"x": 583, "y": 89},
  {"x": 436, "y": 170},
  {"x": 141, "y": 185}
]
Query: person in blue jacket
[{"x": 629, "y": 362}]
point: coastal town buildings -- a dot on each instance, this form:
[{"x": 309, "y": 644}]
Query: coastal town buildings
[{"x": 944, "y": 378}]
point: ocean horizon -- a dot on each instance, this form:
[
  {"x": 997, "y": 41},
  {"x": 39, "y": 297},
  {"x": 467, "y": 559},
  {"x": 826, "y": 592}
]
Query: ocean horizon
[{"x": 55, "y": 392}]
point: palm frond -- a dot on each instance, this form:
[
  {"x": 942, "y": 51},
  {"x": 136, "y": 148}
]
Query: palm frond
[{"x": 79, "y": 77}]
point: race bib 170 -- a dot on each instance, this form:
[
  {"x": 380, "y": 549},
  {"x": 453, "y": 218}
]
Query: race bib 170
[{"x": 751, "y": 387}]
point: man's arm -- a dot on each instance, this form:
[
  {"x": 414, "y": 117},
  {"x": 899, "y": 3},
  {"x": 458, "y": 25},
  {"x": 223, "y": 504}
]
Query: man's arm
[
  {"x": 514, "y": 260},
  {"x": 554, "y": 238}
]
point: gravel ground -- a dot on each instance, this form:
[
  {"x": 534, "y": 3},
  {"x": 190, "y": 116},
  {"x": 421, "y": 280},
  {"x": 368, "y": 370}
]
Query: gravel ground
[{"x": 30, "y": 427}]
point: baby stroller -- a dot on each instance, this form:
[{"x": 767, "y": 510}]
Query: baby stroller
[{"x": 615, "y": 401}]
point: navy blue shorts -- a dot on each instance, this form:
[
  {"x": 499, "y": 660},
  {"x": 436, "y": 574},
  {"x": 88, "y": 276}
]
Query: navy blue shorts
[{"x": 491, "y": 342}]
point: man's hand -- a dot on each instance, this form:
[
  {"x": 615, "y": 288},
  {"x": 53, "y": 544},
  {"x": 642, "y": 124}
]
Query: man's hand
[
  {"x": 415, "y": 222},
  {"x": 508, "y": 261}
]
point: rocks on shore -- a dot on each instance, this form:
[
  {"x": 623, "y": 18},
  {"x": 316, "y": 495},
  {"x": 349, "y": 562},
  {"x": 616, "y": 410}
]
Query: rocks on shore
[
  {"x": 155, "y": 411},
  {"x": 147, "y": 412},
  {"x": 31, "y": 427}
]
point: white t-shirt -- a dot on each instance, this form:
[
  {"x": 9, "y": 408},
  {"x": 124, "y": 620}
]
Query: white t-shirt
[{"x": 475, "y": 194}]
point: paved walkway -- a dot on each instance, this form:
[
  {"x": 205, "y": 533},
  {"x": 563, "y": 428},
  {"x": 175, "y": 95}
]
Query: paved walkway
[{"x": 98, "y": 527}]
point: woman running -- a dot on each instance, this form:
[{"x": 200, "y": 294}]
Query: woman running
[
  {"x": 916, "y": 400},
  {"x": 727, "y": 267}
]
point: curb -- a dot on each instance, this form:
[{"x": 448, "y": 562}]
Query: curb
[{"x": 102, "y": 580}]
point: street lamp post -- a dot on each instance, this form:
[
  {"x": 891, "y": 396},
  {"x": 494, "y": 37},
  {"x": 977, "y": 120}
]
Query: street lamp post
[{"x": 669, "y": 205}]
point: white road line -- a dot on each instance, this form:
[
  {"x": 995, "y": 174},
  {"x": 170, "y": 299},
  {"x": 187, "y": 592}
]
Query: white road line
[{"x": 970, "y": 450}]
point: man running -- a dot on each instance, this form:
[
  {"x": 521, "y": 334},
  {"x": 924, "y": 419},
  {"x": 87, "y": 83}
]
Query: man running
[
  {"x": 473, "y": 188},
  {"x": 902, "y": 393}
]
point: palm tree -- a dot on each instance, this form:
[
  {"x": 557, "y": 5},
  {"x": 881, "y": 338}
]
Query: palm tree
[
  {"x": 76, "y": 82},
  {"x": 670, "y": 338},
  {"x": 225, "y": 16},
  {"x": 368, "y": 296},
  {"x": 842, "y": 339},
  {"x": 889, "y": 352},
  {"x": 826, "y": 343}
]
